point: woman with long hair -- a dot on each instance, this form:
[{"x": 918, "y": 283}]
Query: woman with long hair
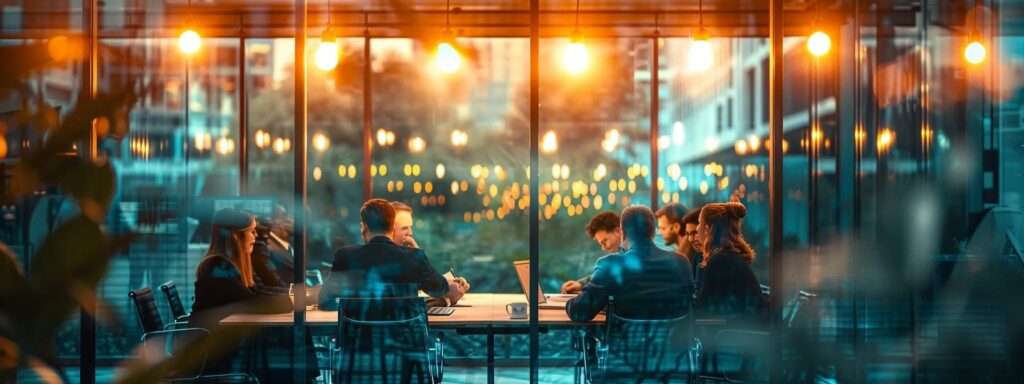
[
  {"x": 226, "y": 279},
  {"x": 729, "y": 288}
]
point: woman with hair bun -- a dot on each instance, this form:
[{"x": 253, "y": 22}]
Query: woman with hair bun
[{"x": 730, "y": 288}]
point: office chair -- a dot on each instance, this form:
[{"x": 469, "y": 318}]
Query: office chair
[
  {"x": 160, "y": 342},
  {"x": 385, "y": 340},
  {"x": 174, "y": 301},
  {"x": 641, "y": 350},
  {"x": 145, "y": 307}
]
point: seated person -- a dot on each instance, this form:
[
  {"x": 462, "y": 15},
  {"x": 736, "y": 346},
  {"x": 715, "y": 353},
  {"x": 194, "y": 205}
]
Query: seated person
[
  {"x": 647, "y": 282},
  {"x": 692, "y": 245},
  {"x": 227, "y": 283},
  {"x": 273, "y": 250},
  {"x": 604, "y": 229},
  {"x": 382, "y": 268},
  {"x": 730, "y": 288},
  {"x": 670, "y": 226},
  {"x": 226, "y": 278}
]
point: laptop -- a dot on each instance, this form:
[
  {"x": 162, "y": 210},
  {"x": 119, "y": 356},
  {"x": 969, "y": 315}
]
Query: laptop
[{"x": 543, "y": 301}]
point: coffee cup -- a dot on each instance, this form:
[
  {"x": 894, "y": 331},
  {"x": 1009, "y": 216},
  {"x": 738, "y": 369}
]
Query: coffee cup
[{"x": 516, "y": 310}]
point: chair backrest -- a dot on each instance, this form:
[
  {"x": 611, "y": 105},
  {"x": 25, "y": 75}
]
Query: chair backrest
[
  {"x": 383, "y": 340},
  {"x": 792, "y": 311},
  {"x": 145, "y": 306},
  {"x": 173, "y": 300},
  {"x": 162, "y": 345},
  {"x": 647, "y": 348}
]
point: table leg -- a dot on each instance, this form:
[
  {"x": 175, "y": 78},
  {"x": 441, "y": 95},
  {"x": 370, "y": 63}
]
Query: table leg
[{"x": 490, "y": 356}]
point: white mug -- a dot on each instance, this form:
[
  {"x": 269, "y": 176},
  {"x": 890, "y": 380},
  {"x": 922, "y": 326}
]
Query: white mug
[{"x": 516, "y": 310}]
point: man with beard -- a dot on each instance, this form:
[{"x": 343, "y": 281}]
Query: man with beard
[{"x": 670, "y": 227}]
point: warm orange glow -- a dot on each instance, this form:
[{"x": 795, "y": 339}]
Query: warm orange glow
[
  {"x": 575, "y": 58},
  {"x": 417, "y": 144},
  {"x": 262, "y": 139},
  {"x": 611, "y": 140},
  {"x": 753, "y": 143},
  {"x": 327, "y": 52},
  {"x": 320, "y": 142},
  {"x": 549, "y": 144},
  {"x": 819, "y": 43},
  {"x": 886, "y": 138},
  {"x": 447, "y": 59},
  {"x": 225, "y": 146},
  {"x": 459, "y": 138},
  {"x": 975, "y": 52},
  {"x": 189, "y": 42},
  {"x": 700, "y": 56},
  {"x": 741, "y": 147}
]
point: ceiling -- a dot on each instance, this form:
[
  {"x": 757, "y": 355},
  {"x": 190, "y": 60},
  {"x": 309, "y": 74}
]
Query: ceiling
[{"x": 490, "y": 18}]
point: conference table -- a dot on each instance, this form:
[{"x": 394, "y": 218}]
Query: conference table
[{"x": 475, "y": 314}]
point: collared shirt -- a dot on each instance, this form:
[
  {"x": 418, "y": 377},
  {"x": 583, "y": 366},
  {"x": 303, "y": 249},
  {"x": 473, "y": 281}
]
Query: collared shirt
[
  {"x": 589, "y": 262},
  {"x": 646, "y": 282},
  {"x": 381, "y": 268}
]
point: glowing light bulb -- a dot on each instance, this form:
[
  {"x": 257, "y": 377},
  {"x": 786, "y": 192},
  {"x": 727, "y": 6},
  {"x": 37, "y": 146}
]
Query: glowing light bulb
[
  {"x": 575, "y": 58},
  {"x": 321, "y": 142},
  {"x": 550, "y": 142},
  {"x": 975, "y": 52},
  {"x": 417, "y": 144},
  {"x": 225, "y": 146},
  {"x": 700, "y": 56},
  {"x": 189, "y": 42},
  {"x": 326, "y": 57},
  {"x": 447, "y": 58},
  {"x": 819, "y": 43},
  {"x": 459, "y": 138}
]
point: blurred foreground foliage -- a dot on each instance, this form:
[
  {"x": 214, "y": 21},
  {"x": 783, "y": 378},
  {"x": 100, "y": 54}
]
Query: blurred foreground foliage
[{"x": 74, "y": 258}]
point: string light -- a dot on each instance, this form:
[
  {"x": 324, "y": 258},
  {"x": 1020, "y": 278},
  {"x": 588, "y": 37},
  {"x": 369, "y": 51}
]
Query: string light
[
  {"x": 417, "y": 144},
  {"x": 550, "y": 142},
  {"x": 320, "y": 142}
]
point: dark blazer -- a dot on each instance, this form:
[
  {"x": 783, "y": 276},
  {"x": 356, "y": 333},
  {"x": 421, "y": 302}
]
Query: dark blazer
[
  {"x": 646, "y": 282},
  {"x": 220, "y": 292},
  {"x": 729, "y": 288},
  {"x": 381, "y": 268}
]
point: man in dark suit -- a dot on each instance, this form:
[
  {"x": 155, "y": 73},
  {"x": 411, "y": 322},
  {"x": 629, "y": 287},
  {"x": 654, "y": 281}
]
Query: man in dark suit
[
  {"x": 646, "y": 282},
  {"x": 381, "y": 268}
]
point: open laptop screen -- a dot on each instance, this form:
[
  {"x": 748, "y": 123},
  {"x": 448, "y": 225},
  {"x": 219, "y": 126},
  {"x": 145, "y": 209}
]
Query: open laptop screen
[{"x": 523, "y": 272}]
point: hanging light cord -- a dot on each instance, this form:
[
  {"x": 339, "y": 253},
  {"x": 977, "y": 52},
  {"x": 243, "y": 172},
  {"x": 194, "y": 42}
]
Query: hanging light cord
[
  {"x": 700, "y": 15},
  {"x": 447, "y": 15},
  {"x": 576, "y": 27}
]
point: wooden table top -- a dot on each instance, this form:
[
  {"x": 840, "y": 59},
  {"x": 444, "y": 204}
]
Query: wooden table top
[{"x": 474, "y": 309}]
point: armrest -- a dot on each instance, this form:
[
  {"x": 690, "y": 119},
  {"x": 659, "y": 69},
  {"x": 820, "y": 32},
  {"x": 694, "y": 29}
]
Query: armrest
[{"x": 176, "y": 325}]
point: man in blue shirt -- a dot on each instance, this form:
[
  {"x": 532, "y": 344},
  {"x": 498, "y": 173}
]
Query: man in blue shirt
[{"x": 645, "y": 281}]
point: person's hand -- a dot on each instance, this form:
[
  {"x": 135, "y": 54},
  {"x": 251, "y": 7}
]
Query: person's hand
[
  {"x": 463, "y": 282},
  {"x": 455, "y": 291},
  {"x": 410, "y": 242},
  {"x": 572, "y": 286}
]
